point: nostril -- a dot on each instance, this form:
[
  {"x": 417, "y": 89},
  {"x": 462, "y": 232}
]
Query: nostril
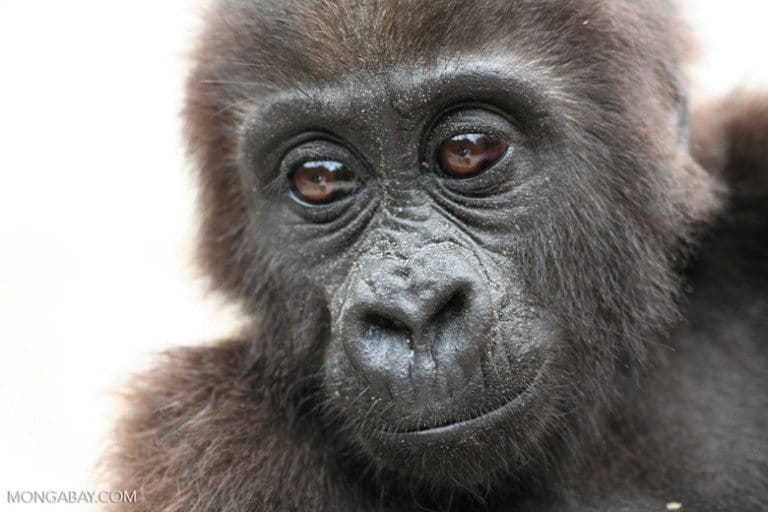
[
  {"x": 450, "y": 312},
  {"x": 453, "y": 305},
  {"x": 380, "y": 327}
]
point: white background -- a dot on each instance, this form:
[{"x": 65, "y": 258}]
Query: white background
[{"x": 97, "y": 211}]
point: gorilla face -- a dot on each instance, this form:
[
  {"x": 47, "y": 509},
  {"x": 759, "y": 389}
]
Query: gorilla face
[
  {"x": 491, "y": 241},
  {"x": 409, "y": 206}
]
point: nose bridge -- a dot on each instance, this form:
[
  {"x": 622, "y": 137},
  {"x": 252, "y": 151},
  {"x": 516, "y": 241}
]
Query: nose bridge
[
  {"x": 408, "y": 252},
  {"x": 408, "y": 223}
]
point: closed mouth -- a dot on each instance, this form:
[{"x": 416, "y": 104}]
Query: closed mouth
[
  {"x": 463, "y": 425},
  {"x": 486, "y": 418}
]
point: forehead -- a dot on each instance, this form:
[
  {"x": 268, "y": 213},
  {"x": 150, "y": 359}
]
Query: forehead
[{"x": 322, "y": 40}]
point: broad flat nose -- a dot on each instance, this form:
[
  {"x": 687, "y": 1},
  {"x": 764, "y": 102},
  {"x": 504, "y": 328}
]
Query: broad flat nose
[
  {"x": 418, "y": 315},
  {"x": 418, "y": 328}
]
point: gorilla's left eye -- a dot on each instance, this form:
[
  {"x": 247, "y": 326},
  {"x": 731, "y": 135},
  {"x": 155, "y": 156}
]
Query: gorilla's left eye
[{"x": 465, "y": 155}]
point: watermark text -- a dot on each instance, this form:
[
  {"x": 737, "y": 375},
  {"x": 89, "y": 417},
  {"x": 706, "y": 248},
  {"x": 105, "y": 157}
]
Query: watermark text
[{"x": 51, "y": 497}]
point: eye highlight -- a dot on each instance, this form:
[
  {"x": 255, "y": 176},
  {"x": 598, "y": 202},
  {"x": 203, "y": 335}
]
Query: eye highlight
[
  {"x": 468, "y": 154},
  {"x": 322, "y": 181}
]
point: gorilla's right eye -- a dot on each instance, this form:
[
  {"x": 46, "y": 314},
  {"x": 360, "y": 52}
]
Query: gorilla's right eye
[
  {"x": 322, "y": 181},
  {"x": 465, "y": 155}
]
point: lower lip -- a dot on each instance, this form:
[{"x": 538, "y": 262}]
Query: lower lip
[{"x": 486, "y": 419}]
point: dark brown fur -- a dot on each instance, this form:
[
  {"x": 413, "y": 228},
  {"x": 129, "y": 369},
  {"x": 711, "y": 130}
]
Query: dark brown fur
[{"x": 233, "y": 425}]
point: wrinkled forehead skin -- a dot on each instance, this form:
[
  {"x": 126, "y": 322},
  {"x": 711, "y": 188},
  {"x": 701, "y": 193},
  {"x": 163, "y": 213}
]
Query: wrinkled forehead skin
[{"x": 608, "y": 53}]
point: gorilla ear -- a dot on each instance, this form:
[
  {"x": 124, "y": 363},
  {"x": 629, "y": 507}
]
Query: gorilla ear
[
  {"x": 731, "y": 135},
  {"x": 729, "y": 140},
  {"x": 696, "y": 193}
]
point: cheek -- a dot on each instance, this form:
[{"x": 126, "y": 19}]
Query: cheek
[{"x": 342, "y": 387}]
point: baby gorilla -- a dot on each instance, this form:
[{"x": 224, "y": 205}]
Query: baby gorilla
[{"x": 490, "y": 264}]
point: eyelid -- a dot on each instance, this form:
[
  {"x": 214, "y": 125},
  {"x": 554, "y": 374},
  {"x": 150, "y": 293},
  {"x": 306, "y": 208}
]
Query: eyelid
[
  {"x": 312, "y": 150},
  {"x": 304, "y": 154},
  {"x": 470, "y": 107},
  {"x": 469, "y": 113},
  {"x": 323, "y": 146}
]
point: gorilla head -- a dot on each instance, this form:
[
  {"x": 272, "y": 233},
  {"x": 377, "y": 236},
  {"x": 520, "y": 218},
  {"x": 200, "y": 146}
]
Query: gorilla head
[{"x": 460, "y": 223}]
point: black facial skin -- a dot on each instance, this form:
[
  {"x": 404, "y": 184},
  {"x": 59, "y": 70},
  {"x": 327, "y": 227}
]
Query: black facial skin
[
  {"x": 435, "y": 338},
  {"x": 575, "y": 323}
]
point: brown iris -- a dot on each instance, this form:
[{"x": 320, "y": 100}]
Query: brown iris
[
  {"x": 323, "y": 181},
  {"x": 468, "y": 154}
]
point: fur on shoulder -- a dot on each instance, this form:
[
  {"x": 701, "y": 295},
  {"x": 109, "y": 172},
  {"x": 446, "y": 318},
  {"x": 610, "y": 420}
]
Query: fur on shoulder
[{"x": 198, "y": 435}]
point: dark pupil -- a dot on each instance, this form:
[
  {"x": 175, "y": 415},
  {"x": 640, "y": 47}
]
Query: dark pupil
[
  {"x": 469, "y": 153},
  {"x": 322, "y": 181}
]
